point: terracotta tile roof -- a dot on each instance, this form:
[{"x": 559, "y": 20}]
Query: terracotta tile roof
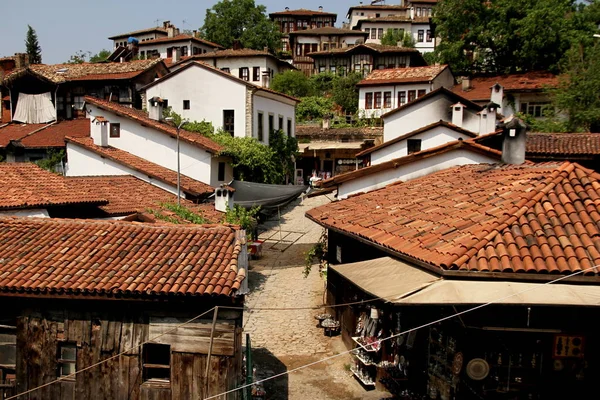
[
  {"x": 470, "y": 144},
  {"x": 127, "y": 195},
  {"x": 303, "y": 12},
  {"x": 481, "y": 87},
  {"x": 328, "y": 30},
  {"x": 16, "y": 131},
  {"x": 113, "y": 258},
  {"x": 456, "y": 98},
  {"x": 537, "y": 219},
  {"x": 60, "y": 73},
  {"x": 421, "y": 20},
  {"x": 391, "y": 19},
  {"x": 378, "y": 48},
  {"x": 180, "y": 38},
  {"x": 441, "y": 123},
  {"x": 377, "y": 7},
  {"x": 155, "y": 171},
  {"x": 54, "y": 135},
  {"x": 139, "y": 32},
  {"x": 403, "y": 75},
  {"x": 562, "y": 144},
  {"x": 139, "y": 116},
  {"x": 26, "y": 185},
  {"x": 315, "y": 130}
]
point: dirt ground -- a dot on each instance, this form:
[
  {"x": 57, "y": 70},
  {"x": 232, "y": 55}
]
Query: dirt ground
[{"x": 283, "y": 340}]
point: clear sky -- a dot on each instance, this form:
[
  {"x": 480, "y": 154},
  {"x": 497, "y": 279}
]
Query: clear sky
[{"x": 66, "y": 26}]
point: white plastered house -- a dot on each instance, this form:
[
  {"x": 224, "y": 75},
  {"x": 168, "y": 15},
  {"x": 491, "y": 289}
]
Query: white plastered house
[
  {"x": 200, "y": 92},
  {"x": 384, "y": 90},
  {"x": 125, "y": 141}
]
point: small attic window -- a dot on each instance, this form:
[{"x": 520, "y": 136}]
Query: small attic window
[{"x": 457, "y": 108}]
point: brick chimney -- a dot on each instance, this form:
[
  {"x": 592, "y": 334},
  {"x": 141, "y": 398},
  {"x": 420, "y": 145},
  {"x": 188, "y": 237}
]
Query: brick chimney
[
  {"x": 21, "y": 60},
  {"x": 514, "y": 141}
]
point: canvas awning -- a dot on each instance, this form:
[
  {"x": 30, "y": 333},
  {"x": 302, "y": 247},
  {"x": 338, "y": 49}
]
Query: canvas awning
[{"x": 401, "y": 283}]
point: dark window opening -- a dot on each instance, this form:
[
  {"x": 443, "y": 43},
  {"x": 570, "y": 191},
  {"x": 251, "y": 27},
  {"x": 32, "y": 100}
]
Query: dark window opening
[
  {"x": 221, "y": 176},
  {"x": 229, "y": 121},
  {"x": 260, "y": 126},
  {"x": 387, "y": 100},
  {"x": 67, "y": 359},
  {"x": 225, "y": 70},
  {"x": 115, "y": 130},
  {"x": 245, "y": 73},
  {"x": 401, "y": 98},
  {"x": 186, "y": 104},
  {"x": 271, "y": 123},
  {"x": 377, "y": 100},
  {"x": 156, "y": 362},
  {"x": 280, "y": 123},
  {"x": 421, "y": 92},
  {"x": 289, "y": 128},
  {"x": 411, "y": 95},
  {"x": 420, "y": 34},
  {"x": 414, "y": 145},
  {"x": 369, "y": 101},
  {"x": 256, "y": 74}
]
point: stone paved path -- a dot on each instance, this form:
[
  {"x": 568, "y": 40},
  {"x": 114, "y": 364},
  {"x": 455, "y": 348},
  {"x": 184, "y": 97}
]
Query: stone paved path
[{"x": 286, "y": 339}]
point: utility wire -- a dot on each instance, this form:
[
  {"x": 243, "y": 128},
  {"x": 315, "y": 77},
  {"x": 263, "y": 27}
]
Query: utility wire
[{"x": 402, "y": 333}]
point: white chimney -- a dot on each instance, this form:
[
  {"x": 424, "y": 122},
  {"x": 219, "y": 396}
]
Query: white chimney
[
  {"x": 320, "y": 8},
  {"x": 457, "y": 114},
  {"x": 514, "y": 141},
  {"x": 224, "y": 198},
  {"x": 326, "y": 122},
  {"x": 99, "y": 131},
  {"x": 266, "y": 79},
  {"x": 155, "y": 111},
  {"x": 176, "y": 57},
  {"x": 497, "y": 96},
  {"x": 466, "y": 83}
]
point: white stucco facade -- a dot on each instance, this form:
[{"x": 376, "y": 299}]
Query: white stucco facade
[
  {"x": 412, "y": 170},
  {"x": 433, "y": 137},
  {"x": 360, "y": 14},
  {"x": 161, "y": 49},
  {"x": 400, "y": 92},
  {"x": 211, "y": 95},
  {"x": 31, "y": 213},
  {"x": 426, "y": 112}
]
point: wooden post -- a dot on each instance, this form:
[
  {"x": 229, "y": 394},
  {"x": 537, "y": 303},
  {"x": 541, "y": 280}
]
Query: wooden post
[{"x": 212, "y": 336}]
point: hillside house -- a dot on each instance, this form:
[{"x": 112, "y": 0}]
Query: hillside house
[
  {"x": 125, "y": 141},
  {"x": 256, "y": 66},
  {"x": 236, "y": 105},
  {"x": 302, "y": 19},
  {"x": 140, "y": 299},
  {"x": 42, "y": 93},
  {"x": 386, "y": 89},
  {"x": 364, "y": 58}
]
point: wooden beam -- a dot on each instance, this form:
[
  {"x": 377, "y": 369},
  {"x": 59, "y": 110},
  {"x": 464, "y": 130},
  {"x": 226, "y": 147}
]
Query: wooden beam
[{"x": 212, "y": 334}]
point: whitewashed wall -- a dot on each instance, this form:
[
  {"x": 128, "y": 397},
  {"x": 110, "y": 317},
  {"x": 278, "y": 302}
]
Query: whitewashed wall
[
  {"x": 157, "y": 147},
  {"x": 267, "y": 106},
  {"x": 434, "y": 137},
  {"x": 356, "y": 15},
  {"x": 162, "y": 47},
  {"x": 385, "y": 26},
  {"x": 209, "y": 94},
  {"x": 376, "y": 113},
  {"x": 424, "y": 46},
  {"x": 32, "y": 213},
  {"x": 410, "y": 171},
  {"x": 83, "y": 162}
]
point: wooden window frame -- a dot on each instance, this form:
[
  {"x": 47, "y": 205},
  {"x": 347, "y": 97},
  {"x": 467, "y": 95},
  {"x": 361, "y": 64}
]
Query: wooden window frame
[
  {"x": 377, "y": 100},
  {"x": 369, "y": 101},
  {"x": 401, "y": 98},
  {"x": 244, "y": 74},
  {"x": 413, "y": 145},
  {"x": 411, "y": 96},
  {"x": 428, "y": 37},
  {"x": 421, "y": 92},
  {"x": 387, "y": 99},
  {"x": 148, "y": 366},
  {"x": 61, "y": 362},
  {"x": 255, "y": 74},
  {"x": 420, "y": 35},
  {"x": 229, "y": 122}
]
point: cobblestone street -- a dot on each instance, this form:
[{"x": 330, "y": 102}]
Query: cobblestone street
[{"x": 286, "y": 339}]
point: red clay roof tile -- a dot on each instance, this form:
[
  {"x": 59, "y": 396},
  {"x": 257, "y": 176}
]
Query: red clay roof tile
[
  {"x": 189, "y": 185},
  {"x": 481, "y": 87},
  {"x": 545, "y": 144},
  {"x": 516, "y": 214},
  {"x": 402, "y": 75},
  {"x": 107, "y": 258}
]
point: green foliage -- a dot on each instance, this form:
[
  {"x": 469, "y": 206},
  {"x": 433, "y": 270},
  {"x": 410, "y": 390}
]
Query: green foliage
[
  {"x": 549, "y": 124},
  {"x": 54, "y": 159},
  {"x": 81, "y": 56},
  {"x": 242, "y": 20},
  {"x": 317, "y": 254},
  {"x": 577, "y": 93},
  {"x": 284, "y": 148},
  {"x": 408, "y": 41},
  {"x": 185, "y": 213},
  {"x": 293, "y": 83},
  {"x": 239, "y": 215},
  {"x": 431, "y": 58},
  {"x": 160, "y": 216},
  {"x": 345, "y": 92},
  {"x": 391, "y": 38},
  {"x": 322, "y": 84},
  {"x": 101, "y": 56},
  {"x": 32, "y": 46},
  {"x": 506, "y": 36},
  {"x": 314, "y": 107}
]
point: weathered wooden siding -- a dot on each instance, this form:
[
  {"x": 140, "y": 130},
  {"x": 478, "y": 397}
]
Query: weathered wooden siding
[{"x": 100, "y": 338}]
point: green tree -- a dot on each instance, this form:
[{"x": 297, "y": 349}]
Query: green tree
[
  {"x": 293, "y": 83},
  {"x": 577, "y": 94},
  {"x": 345, "y": 92},
  {"x": 101, "y": 56},
  {"x": 53, "y": 161},
  {"x": 408, "y": 41},
  {"x": 391, "y": 38},
  {"x": 284, "y": 147},
  {"x": 32, "y": 46},
  {"x": 79, "y": 57},
  {"x": 504, "y": 36},
  {"x": 322, "y": 83},
  {"x": 314, "y": 107},
  {"x": 242, "y": 20}
]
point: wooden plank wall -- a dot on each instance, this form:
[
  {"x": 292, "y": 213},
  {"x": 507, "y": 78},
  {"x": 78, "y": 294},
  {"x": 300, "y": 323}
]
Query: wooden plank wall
[{"x": 121, "y": 378}]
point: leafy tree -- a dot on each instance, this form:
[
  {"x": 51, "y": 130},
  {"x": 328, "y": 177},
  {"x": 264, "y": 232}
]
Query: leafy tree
[
  {"x": 284, "y": 148},
  {"x": 322, "y": 83},
  {"x": 408, "y": 41},
  {"x": 242, "y": 20},
  {"x": 79, "y": 57},
  {"x": 345, "y": 92},
  {"x": 33, "y": 49},
  {"x": 391, "y": 38},
  {"x": 53, "y": 161},
  {"x": 314, "y": 107},
  {"x": 101, "y": 56},
  {"x": 293, "y": 83},
  {"x": 504, "y": 36},
  {"x": 579, "y": 86}
]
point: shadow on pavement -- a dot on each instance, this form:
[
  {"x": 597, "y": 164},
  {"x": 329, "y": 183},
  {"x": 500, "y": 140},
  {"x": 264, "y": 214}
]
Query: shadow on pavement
[{"x": 268, "y": 365}]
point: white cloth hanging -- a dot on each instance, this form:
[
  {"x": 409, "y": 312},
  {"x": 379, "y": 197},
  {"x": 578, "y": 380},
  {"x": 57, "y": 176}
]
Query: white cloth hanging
[{"x": 35, "y": 109}]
